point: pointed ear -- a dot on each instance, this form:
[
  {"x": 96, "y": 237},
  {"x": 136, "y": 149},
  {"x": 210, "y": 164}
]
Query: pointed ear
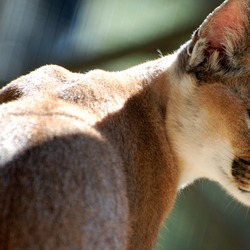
[{"x": 222, "y": 35}]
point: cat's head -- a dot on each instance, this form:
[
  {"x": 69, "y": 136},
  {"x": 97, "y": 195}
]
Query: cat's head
[{"x": 210, "y": 114}]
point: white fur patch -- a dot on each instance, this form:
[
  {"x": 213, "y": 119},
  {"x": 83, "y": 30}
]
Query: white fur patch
[
  {"x": 205, "y": 161},
  {"x": 213, "y": 162}
]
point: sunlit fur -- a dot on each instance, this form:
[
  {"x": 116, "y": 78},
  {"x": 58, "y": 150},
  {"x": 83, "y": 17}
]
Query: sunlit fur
[{"x": 95, "y": 160}]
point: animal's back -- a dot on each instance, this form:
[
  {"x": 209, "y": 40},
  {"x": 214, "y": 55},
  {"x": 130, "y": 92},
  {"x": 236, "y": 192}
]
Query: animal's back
[
  {"x": 67, "y": 184},
  {"x": 85, "y": 152},
  {"x": 95, "y": 161}
]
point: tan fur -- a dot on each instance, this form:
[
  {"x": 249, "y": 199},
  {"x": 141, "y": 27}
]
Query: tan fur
[
  {"x": 94, "y": 161},
  {"x": 119, "y": 125}
]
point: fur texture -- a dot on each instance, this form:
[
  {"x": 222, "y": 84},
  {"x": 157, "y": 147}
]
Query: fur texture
[{"x": 94, "y": 161}]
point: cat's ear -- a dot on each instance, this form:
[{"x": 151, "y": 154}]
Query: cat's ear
[{"x": 221, "y": 37}]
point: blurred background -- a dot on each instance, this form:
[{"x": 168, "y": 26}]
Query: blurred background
[{"x": 113, "y": 35}]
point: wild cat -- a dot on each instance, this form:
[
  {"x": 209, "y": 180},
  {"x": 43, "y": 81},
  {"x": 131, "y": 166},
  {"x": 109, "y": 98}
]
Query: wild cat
[{"x": 94, "y": 161}]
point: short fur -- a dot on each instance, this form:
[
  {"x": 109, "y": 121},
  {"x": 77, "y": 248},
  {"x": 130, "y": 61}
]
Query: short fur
[{"x": 94, "y": 161}]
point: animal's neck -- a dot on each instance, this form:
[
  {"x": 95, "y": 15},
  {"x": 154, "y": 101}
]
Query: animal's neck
[
  {"x": 197, "y": 129},
  {"x": 144, "y": 147}
]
